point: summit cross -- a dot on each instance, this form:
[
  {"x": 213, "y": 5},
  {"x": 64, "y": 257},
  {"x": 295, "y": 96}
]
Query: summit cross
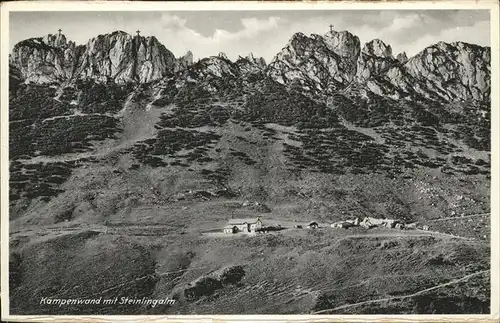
[
  {"x": 59, "y": 31},
  {"x": 138, "y": 32},
  {"x": 331, "y": 28}
]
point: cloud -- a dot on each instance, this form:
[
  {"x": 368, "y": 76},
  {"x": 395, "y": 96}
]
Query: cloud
[
  {"x": 170, "y": 22},
  {"x": 478, "y": 33},
  {"x": 221, "y": 40},
  {"x": 401, "y": 23}
]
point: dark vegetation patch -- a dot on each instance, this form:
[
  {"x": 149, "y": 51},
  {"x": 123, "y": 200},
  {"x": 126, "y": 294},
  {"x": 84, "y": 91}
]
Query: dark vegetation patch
[
  {"x": 243, "y": 157},
  {"x": 402, "y": 122},
  {"x": 336, "y": 151},
  {"x": 367, "y": 114},
  {"x": 208, "y": 285},
  {"x": 416, "y": 136},
  {"x": 169, "y": 143},
  {"x": 70, "y": 135},
  {"x": 35, "y": 102},
  {"x": 193, "y": 116},
  {"x": 470, "y": 122},
  {"x": 39, "y": 180},
  {"x": 97, "y": 97},
  {"x": 341, "y": 151},
  {"x": 41, "y": 124},
  {"x": 274, "y": 104},
  {"x": 196, "y": 93},
  {"x": 194, "y": 107}
]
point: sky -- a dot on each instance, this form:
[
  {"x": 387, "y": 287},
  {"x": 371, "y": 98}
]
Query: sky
[{"x": 263, "y": 33}]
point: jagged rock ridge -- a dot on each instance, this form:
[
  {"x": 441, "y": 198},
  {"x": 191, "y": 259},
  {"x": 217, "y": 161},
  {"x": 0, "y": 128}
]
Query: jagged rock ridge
[
  {"x": 457, "y": 71},
  {"x": 118, "y": 56},
  {"x": 124, "y": 58},
  {"x": 46, "y": 60},
  {"x": 316, "y": 61},
  {"x": 321, "y": 64},
  {"x": 184, "y": 62}
]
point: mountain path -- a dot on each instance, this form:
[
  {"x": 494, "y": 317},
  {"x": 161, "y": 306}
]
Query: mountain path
[
  {"x": 385, "y": 299},
  {"x": 460, "y": 217}
]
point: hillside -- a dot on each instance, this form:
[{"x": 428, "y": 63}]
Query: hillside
[{"x": 135, "y": 166}]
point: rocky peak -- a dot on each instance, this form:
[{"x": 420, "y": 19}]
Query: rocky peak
[
  {"x": 215, "y": 66},
  {"x": 223, "y": 56},
  {"x": 317, "y": 62},
  {"x": 402, "y": 58},
  {"x": 184, "y": 62},
  {"x": 377, "y": 48},
  {"x": 250, "y": 64},
  {"x": 343, "y": 43},
  {"x": 118, "y": 55},
  {"x": 125, "y": 58},
  {"x": 256, "y": 60},
  {"x": 457, "y": 70},
  {"x": 58, "y": 40},
  {"x": 46, "y": 59},
  {"x": 375, "y": 59}
]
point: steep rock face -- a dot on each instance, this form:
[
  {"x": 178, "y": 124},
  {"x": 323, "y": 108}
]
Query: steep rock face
[
  {"x": 321, "y": 64},
  {"x": 117, "y": 56},
  {"x": 402, "y": 58},
  {"x": 205, "y": 70},
  {"x": 207, "y": 74},
  {"x": 183, "y": 62},
  {"x": 377, "y": 48},
  {"x": 375, "y": 59},
  {"x": 46, "y": 60},
  {"x": 250, "y": 64},
  {"x": 333, "y": 62},
  {"x": 215, "y": 66},
  {"x": 453, "y": 71},
  {"x": 347, "y": 47},
  {"x": 327, "y": 62},
  {"x": 124, "y": 58},
  {"x": 448, "y": 72}
]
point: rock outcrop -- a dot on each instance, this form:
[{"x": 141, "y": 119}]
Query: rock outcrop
[
  {"x": 402, "y": 58},
  {"x": 453, "y": 71},
  {"x": 47, "y": 59},
  {"x": 117, "y": 56},
  {"x": 445, "y": 72},
  {"x": 317, "y": 62},
  {"x": 215, "y": 66},
  {"x": 183, "y": 62},
  {"x": 125, "y": 58},
  {"x": 320, "y": 64},
  {"x": 375, "y": 59},
  {"x": 250, "y": 64}
]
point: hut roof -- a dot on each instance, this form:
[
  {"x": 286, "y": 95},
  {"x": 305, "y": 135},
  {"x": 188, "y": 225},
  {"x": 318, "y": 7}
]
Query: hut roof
[{"x": 242, "y": 221}]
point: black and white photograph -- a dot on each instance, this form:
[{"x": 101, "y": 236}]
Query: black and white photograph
[{"x": 305, "y": 161}]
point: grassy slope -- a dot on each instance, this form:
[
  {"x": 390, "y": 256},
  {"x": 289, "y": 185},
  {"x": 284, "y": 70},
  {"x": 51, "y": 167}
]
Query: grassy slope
[{"x": 291, "y": 272}]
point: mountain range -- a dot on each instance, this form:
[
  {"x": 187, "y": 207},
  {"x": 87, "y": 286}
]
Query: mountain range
[
  {"x": 124, "y": 156},
  {"x": 329, "y": 63}
]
